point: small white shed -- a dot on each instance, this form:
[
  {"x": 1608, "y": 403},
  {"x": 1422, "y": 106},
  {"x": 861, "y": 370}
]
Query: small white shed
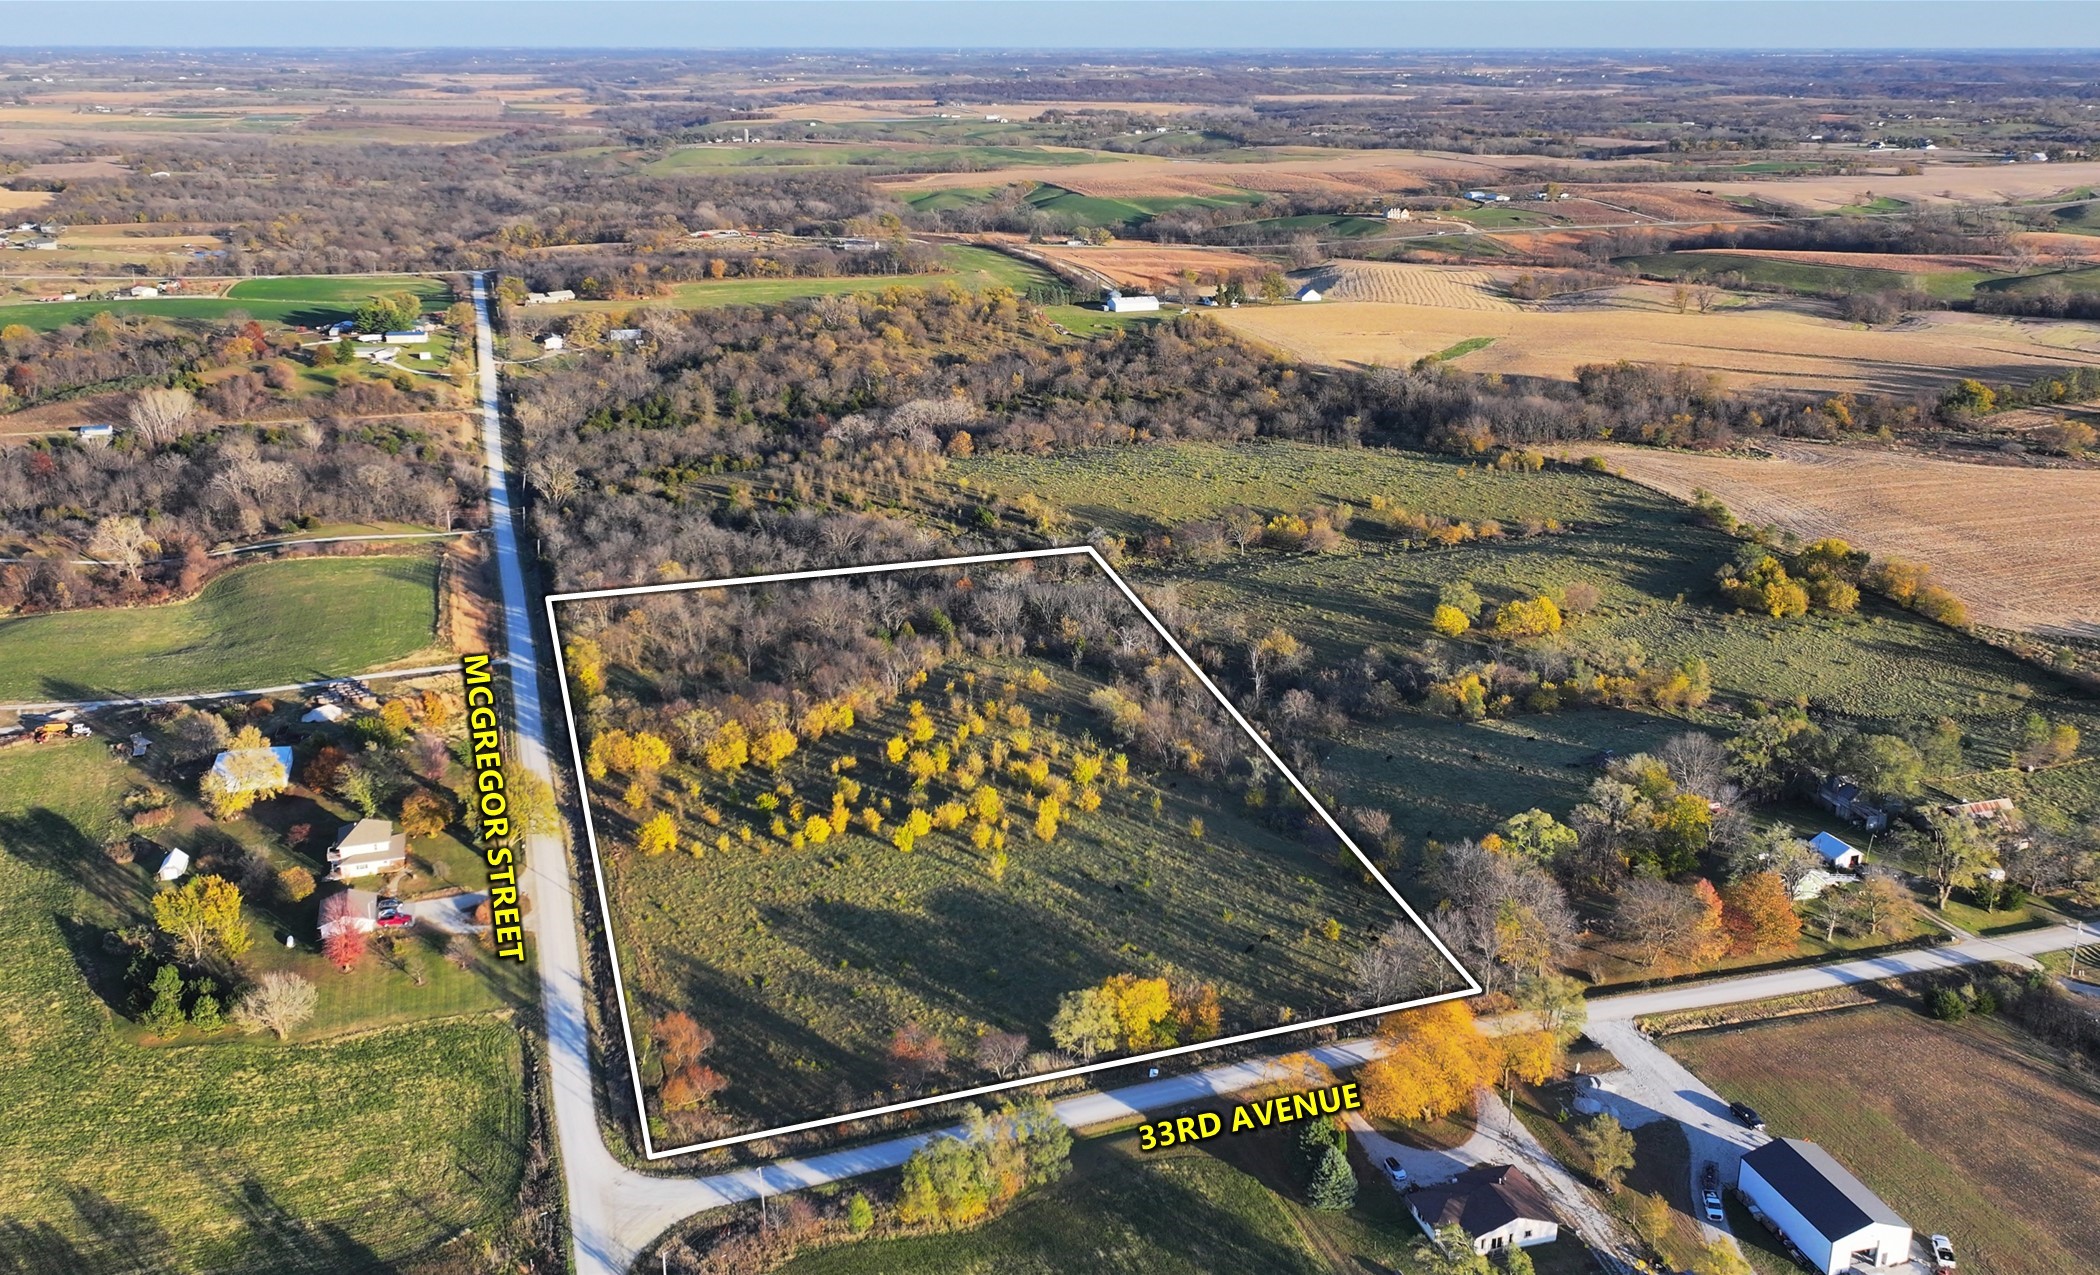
[{"x": 172, "y": 867}]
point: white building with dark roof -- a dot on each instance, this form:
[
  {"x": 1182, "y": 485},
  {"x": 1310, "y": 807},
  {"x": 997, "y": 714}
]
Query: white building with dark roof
[
  {"x": 1821, "y": 1209},
  {"x": 1496, "y": 1205}
]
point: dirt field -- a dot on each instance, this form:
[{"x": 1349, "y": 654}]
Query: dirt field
[
  {"x": 1964, "y": 1130},
  {"x": 1986, "y": 183},
  {"x": 1754, "y": 341},
  {"x": 1150, "y": 266},
  {"x": 1336, "y": 173},
  {"x": 1448, "y": 288},
  {"x": 2015, "y": 544}
]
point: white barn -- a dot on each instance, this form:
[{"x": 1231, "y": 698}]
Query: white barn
[
  {"x": 1837, "y": 852},
  {"x": 1825, "y": 1212},
  {"x": 1119, "y": 303}
]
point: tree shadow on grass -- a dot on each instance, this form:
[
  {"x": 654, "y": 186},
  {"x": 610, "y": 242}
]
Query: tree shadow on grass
[
  {"x": 276, "y": 1239},
  {"x": 115, "y": 1238}
]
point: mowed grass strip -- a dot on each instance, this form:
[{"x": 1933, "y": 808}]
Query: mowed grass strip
[
  {"x": 263, "y": 625},
  {"x": 969, "y": 267},
  {"x": 344, "y": 290},
  {"x": 237, "y": 1154},
  {"x": 1968, "y": 1131}
]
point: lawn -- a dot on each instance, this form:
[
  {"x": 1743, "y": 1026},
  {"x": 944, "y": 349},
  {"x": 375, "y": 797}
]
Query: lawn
[
  {"x": 1222, "y": 1205},
  {"x": 268, "y": 624},
  {"x": 1970, "y": 1130},
  {"x": 238, "y": 1154},
  {"x": 805, "y": 959},
  {"x": 1880, "y": 669},
  {"x": 347, "y": 291}
]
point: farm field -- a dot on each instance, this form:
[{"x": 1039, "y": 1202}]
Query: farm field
[
  {"x": 1152, "y": 265},
  {"x": 348, "y": 291},
  {"x": 970, "y": 267},
  {"x": 1754, "y": 342},
  {"x": 1443, "y": 287},
  {"x": 303, "y": 301},
  {"x": 267, "y": 624},
  {"x": 2013, "y": 543},
  {"x": 1991, "y": 183},
  {"x": 872, "y": 156},
  {"x": 2029, "y": 1128},
  {"x": 1881, "y": 669},
  {"x": 202, "y": 1156}
]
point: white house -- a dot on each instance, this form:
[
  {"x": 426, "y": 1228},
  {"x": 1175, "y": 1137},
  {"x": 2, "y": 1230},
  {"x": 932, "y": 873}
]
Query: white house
[
  {"x": 552, "y": 342},
  {"x": 1118, "y": 303},
  {"x": 1825, "y": 1212},
  {"x": 367, "y": 848},
  {"x": 101, "y": 433},
  {"x": 406, "y": 338},
  {"x": 1836, "y": 852},
  {"x": 1479, "y": 194},
  {"x": 144, "y": 290},
  {"x": 1309, "y": 294},
  {"x": 1398, "y": 214},
  {"x": 1494, "y": 1204},
  {"x": 172, "y": 867},
  {"x": 377, "y": 354}
]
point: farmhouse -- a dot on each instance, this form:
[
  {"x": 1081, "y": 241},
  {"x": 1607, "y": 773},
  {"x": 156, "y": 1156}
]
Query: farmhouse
[
  {"x": 1117, "y": 303},
  {"x": 1835, "y": 852},
  {"x": 1398, "y": 214},
  {"x": 144, "y": 290},
  {"x": 254, "y": 769},
  {"x": 367, "y": 848},
  {"x": 1494, "y": 1204},
  {"x": 1821, "y": 1209},
  {"x": 356, "y": 911},
  {"x": 1843, "y": 798}
]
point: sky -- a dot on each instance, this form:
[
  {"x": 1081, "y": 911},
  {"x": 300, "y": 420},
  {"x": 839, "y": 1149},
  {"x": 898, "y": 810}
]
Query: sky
[{"x": 1056, "y": 24}]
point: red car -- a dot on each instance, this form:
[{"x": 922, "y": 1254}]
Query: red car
[{"x": 395, "y": 920}]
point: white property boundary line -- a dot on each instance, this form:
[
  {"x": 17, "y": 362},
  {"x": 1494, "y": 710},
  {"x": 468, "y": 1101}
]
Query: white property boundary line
[{"x": 1472, "y": 987}]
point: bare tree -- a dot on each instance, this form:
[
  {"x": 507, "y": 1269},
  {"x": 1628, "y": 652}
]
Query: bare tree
[
  {"x": 162, "y": 416},
  {"x": 122, "y": 542},
  {"x": 277, "y": 1004},
  {"x": 1699, "y": 765},
  {"x": 1400, "y": 966},
  {"x": 1002, "y": 1053}
]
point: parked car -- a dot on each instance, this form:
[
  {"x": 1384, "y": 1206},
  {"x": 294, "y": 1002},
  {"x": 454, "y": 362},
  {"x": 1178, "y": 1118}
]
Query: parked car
[
  {"x": 1395, "y": 1172},
  {"x": 394, "y": 920},
  {"x": 1746, "y": 1113},
  {"x": 1712, "y": 1201},
  {"x": 1942, "y": 1253}
]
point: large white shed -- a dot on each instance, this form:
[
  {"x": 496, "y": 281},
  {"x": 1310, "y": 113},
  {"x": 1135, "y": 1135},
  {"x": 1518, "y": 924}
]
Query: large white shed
[{"x": 1817, "y": 1204}]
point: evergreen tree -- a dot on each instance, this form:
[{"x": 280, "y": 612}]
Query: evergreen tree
[
  {"x": 1334, "y": 1182},
  {"x": 164, "y": 1016}
]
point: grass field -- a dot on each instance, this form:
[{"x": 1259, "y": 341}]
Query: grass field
[
  {"x": 882, "y": 158},
  {"x": 1811, "y": 277},
  {"x": 1967, "y": 1130},
  {"x": 232, "y": 1155},
  {"x": 804, "y": 960},
  {"x": 346, "y": 291},
  {"x": 1880, "y": 669},
  {"x": 1097, "y": 210},
  {"x": 1939, "y": 183},
  {"x": 1759, "y": 341},
  {"x": 2011, "y": 542},
  {"x": 969, "y": 267},
  {"x": 1225, "y": 1205},
  {"x": 263, "y": 625}
]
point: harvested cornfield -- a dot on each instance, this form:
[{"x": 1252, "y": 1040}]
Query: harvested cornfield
[
  {"x": 1151, "y": 266},
  {"x": 1750, "y": 342},
  {"x": 1937, "y": 184},
  {"x": 1898, "y": 262},
  {"x": 1444, "y": 287},
  {"x": 2015, "y": 544}
]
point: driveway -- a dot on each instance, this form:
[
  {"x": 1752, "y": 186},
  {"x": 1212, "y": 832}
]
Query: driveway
[{"x": 453, "y": 914}]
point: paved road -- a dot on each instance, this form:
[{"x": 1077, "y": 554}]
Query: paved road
[
  {"x": 143, "y": 701},
  {"x": 2019, "y": 949}
]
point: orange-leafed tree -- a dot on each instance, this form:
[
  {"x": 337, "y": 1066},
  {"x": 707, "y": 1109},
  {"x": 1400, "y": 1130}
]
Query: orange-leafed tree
[
  {"x": 1435, "y": 1059},
  {"x": 1758, "y": 915}
]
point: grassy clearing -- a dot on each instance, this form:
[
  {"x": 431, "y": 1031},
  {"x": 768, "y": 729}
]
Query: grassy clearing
[
  {"x": 345, "y": 291},
  {"x": 261, "y": 625},
  {"x": 1881, "y": 669},
  {"x": 1096, "y": 210},
  {"x": 232, "y": 1155},
  {"x": 2027, "y": 1128},
  {"x": 1225, "y": 1205},
  {"x": 969, "y": 267},
  {"x": 804, "y": 960},
  {"x": 1461, "y": 349},
  {"x": 1794, "y": 276}
]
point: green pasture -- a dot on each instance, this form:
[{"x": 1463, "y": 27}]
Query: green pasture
[{"x": 267, "y": 624}]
